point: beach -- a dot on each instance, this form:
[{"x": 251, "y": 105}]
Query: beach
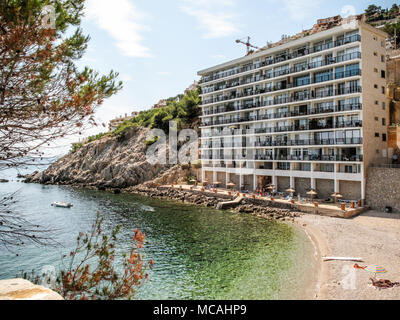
[{"x": 373, "y": 236}]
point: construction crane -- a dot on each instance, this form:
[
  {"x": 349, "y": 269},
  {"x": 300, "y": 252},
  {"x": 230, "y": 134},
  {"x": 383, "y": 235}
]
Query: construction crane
[{"x": 247, "y": 44}]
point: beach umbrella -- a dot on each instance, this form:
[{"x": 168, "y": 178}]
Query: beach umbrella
[
  {"x": 217, "y": 183},
  {"x": 291, "y": 191},
  {"x": 231, "y": 184},
  {"x": 336, "y": 195},
  {"x": 312, "y": 193},
  {"x": 194, "y": 181},
  {"x": 375, "y": 269}
]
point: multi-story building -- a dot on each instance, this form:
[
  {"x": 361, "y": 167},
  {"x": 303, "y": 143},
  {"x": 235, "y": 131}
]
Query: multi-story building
[{"x": 307, "y": 114}]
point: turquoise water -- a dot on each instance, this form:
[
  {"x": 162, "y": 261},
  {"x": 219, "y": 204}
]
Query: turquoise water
[{"x": 199, "y": 253}]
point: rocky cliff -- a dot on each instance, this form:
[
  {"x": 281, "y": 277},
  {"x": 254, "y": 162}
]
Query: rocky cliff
[{"x": 110, "y": 162}]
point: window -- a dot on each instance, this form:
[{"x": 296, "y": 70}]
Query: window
[
  {"x": 383, "y": 90},
  {"x": 383, "y": 74},
  {"x": 383, "y": 105},
  {"x": 375, "y": 54},
  {"x": 375, "y": 86},
  {"x": 376, "y": 135},
  {"x": 383, "y": 121},
  {"x": 376, "y": 102},
  {"x": 377, "y": 151},
  {"x": 376, "y": 119},
  {"x": 383, "y": 44},
  {"x": 375, "y": 38},
  {"x": 376, "y": 70},
  {"x": 384, "y": 137},
  {"x": 383, "y": 58}
]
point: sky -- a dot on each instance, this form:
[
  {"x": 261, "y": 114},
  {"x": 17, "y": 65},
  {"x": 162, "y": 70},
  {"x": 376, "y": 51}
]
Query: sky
[{"x": 158, "y": 46}]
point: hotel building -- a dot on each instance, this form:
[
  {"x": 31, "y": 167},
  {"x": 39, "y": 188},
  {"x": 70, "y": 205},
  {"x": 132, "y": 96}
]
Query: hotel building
[{"x": 307, "y": 113}]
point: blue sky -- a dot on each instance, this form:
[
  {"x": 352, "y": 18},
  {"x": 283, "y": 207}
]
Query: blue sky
[{"x": 158, "y": 46}]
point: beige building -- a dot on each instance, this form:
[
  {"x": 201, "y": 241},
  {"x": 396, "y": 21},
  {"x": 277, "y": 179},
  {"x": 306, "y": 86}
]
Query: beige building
[
  {"x": 307, "y": 113},
  {"x": 117, "y": 121}
]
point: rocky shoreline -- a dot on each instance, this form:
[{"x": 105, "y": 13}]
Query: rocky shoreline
[{"x": 248, "y": 206}]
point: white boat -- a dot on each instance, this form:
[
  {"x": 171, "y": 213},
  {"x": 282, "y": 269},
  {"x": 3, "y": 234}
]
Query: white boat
[{"x": 62, "y": 205}]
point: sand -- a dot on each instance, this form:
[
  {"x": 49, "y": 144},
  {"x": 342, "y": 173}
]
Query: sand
[{"x": 373, "y": 236}]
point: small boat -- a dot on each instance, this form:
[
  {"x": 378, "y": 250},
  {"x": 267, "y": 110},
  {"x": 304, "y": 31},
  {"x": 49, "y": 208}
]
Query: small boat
[{"x": 62, "y": 205}]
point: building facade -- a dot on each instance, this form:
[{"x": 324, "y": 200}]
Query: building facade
[{"x": 307, "y": 114}]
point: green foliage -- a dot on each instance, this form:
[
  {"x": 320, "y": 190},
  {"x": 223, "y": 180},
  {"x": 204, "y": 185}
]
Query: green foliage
[
  {"x": 76, "y": 146},
  {"x": 376, "y": 13},
  {"x": 151, "y": 141},
  {"x": 92, "y": 271},
  {"x": 189, "y": 179},
  {"x": 184, "y": 112}
]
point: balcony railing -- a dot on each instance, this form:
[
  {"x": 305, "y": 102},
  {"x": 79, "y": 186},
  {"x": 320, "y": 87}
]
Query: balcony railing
[
  {"x": 342, "y": 124},
  {"x": 288, "y": 71},
  {"x": 330, "y": 77},
  {"x": 285, "y": 57},
  {"x": 308, "y": 158},
  {"x": 289, "y": 143}
]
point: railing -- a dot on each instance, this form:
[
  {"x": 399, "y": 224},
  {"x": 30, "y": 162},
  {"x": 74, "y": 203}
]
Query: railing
[
  {"x": 309, "y": 158},
  {"x": 279, "y": 115},
  {"x": 285, "y": 57},
  {"x": 343, "y": 124},
  {"x": 272, "y": 75},
  {"x": 328, "y": 77}
]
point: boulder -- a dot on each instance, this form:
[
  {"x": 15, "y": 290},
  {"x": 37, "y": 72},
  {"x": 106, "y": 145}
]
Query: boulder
[{"x": 20, "y": 289}]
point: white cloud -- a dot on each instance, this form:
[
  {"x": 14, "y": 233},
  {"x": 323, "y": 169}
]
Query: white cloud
[
  {"x": 123, "y": 22},
  {"x": 216, "y": 18}
]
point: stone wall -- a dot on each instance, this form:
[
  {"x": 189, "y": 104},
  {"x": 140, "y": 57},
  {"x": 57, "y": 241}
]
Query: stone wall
[
  {"x": 383, "y": 188},
  {"x": 350, "y": 190}
]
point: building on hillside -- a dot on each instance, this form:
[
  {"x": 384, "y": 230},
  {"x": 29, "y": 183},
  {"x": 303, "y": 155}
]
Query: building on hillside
[
  {"x": 192, "y": 87},
  {"x": 308, "y": 113},
  {"x": 117, "y": 121},
  {"x": 160, "y": 104}
]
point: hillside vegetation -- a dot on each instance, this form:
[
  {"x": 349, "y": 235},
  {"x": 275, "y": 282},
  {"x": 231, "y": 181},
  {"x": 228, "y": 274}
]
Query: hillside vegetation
[{"x": 184, "y": 109}]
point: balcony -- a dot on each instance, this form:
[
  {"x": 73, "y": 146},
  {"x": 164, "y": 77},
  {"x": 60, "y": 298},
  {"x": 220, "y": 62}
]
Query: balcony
[
  {"x": 249, "y": 93},
  {"x": 296, "y": 54},
  {"x": 308, "y": 158},
  {"x": 276, "y": 74}
]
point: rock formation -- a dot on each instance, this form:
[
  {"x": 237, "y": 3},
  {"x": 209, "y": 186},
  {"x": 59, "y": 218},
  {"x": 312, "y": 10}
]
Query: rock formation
[{"x": 110, "y": 162}]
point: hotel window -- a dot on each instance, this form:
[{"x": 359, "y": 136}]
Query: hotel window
[
  {"x": 323, "y": 76},
  {"x": 383, "y": 90},
  {"x": 383, "y": 74},
  {"x": 383, "y": 121},
  {"x": 376, "y": 135},
  {"x": 375, "y": 86},
  {"x": 384, "y": 137}
]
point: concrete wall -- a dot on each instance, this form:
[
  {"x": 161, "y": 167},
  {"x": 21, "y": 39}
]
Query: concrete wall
[
  {"x": 371, "y": 43},
  {"x": 383, "y": 188}
]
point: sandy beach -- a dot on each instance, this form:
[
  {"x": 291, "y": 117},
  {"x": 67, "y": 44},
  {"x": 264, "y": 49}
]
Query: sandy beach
[{"x": 373, "y": 236}]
